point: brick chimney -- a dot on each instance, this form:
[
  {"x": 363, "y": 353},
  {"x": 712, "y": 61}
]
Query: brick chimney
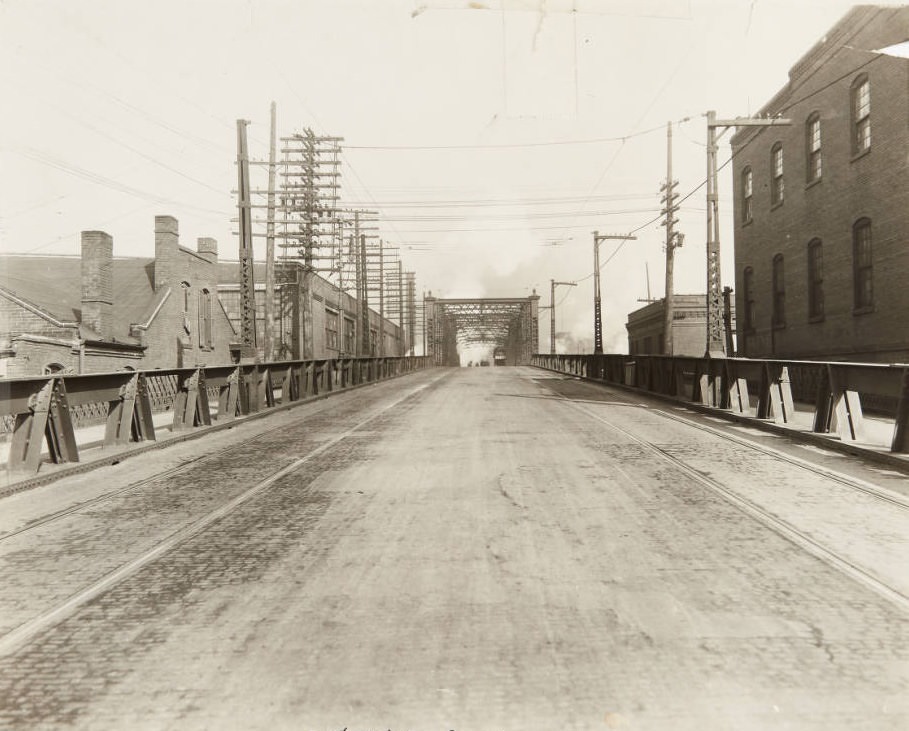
[
  {"x": 208, "y": 248},
  {"x": 167, "y": 240},
  {"x": 97, "y": 281}
]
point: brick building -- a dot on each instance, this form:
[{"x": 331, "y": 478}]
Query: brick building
[
  {"x": 821, "y": 214},
  {"x": 323, "y": 325},
  {"x": 689, "y": 326},
  {"x": 96, "y": 312}
]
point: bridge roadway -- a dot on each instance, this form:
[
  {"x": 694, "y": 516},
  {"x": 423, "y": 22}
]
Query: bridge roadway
[{"x": 482, "y": 548}]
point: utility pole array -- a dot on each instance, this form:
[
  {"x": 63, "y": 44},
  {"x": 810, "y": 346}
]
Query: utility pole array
[{"x": 313, "y": 229}]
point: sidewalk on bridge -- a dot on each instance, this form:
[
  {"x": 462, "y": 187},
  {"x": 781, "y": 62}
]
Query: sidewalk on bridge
[
  {"x": 873, "y": 442},
  {"x": 874, "y": 439}
]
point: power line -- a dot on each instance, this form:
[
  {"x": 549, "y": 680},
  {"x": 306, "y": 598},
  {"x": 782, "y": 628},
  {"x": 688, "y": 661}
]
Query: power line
[
  {"x": 102, "y": 180},
  {"x": 506, "y": 146}
]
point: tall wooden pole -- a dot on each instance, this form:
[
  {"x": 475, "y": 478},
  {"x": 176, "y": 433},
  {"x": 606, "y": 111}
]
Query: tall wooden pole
[
  {"x": 402, "y": 345},
  {"x": 380, "y": 351},
  {"x": 673, "y": 240},
  {"x": 268, "y": 343},
  {"x": 552, "y": 316}
]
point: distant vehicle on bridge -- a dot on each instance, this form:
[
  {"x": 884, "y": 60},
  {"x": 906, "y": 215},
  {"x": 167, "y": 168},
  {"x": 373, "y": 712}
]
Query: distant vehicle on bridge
[{"x": 498, "y": 356}]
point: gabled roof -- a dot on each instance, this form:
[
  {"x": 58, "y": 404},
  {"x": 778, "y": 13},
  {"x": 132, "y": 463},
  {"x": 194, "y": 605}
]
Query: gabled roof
[{"x": 53, "y": 283}]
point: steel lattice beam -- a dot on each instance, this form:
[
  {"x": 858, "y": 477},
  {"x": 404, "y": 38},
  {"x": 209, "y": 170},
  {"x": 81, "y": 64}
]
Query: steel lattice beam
[{"x": 500, "y": 322}]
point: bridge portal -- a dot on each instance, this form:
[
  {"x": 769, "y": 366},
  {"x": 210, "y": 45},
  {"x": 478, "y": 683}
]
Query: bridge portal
[{"x": 510, "y": 323}]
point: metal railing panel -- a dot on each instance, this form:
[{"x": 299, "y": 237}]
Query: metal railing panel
[
  {"x": 42, "y": 413},
  {"x": 758, "y": 388}
]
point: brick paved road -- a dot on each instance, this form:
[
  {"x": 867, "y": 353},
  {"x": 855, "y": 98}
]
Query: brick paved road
[{"x": 465, "y": 552}]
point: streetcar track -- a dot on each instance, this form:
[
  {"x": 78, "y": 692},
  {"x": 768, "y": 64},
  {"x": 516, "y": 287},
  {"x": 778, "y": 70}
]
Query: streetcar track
[
  {"x": 139, "y": 484},
  {"x": 755, "y": 511},
  {"x": 23, "y": 633},
  {"x": 852, "y": 482},
  {"x": 106, "y": 497}
]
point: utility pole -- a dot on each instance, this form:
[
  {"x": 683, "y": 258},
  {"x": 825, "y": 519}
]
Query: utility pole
[
  {"x": 649, "y": 299},
  {"x": 268, "y": 343},
  {"x": 674, "y": 240},
  {"x": 247, "y": 286},
  {"x": 402, "y": 344},
  {"x": 380, "y": 351},
  {"x": 597, "y": 306},
  {"x": 716, "y": 340},
  {"x": 553, "y": 283}
]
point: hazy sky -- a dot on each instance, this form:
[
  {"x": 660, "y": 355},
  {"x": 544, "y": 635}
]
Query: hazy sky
[{"x": 493, "y": 137}]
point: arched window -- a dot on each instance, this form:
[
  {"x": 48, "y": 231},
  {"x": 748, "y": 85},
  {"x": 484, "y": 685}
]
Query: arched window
[
  {"x": 51, "y": 368},
  {"x": 813, "y": 147},
  {"x": 748, "y": 296},
  {"x": 815, "y": 280},
  {"x": 779, "y": 292},
  {"x": 747, "y": 195},
  {"x": 863, "y": 287},
  {"x": 861, "y": 114},
  {"x": 776, "y": 174}
]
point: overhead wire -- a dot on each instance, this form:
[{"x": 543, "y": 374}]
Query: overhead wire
[{"x": 507, "y": 145}]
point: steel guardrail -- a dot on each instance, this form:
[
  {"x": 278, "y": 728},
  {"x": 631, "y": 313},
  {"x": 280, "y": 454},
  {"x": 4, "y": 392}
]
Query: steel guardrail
[
  {"x": 730, "y": 383},
  {"x": 47, "y": 410}
]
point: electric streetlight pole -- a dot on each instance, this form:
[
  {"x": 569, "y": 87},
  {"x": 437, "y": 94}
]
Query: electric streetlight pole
[
  {"x": 597, "y": 306},
  {"x": 553, "y": 283},
  {"x": 716, "y": 339}
]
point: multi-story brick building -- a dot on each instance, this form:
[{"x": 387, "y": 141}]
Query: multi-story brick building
[
  {"x": 822, "y": 205},
  {"x": 321, "y": 324},
  {"x": 96, "y": 312}
]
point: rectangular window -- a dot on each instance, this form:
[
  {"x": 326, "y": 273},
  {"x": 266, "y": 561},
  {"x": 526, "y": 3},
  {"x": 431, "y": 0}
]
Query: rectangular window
[
  {"x": 814, "y": 149},
  {"x": 747, "y": 195},
  {"x": 779, "y": 292},
  {"x": 331, "y": 330},
  {"x": 862, "y": 263},
  {"x": 861, "y": 112},
  {"x": 748, "y": 290},
  {"x": 350, "y": 343},
  {"x": 776, "y": 183},
  {"x": 815, "y": 280}
]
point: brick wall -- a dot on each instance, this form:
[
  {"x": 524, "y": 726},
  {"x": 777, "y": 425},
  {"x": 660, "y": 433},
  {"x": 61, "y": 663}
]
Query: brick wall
[
  {"x": 32, "y": 358},
  {"x": 873, "y": 185},
  {"x": 325, "y": 298},
  {"x": 175, "y": 337}
]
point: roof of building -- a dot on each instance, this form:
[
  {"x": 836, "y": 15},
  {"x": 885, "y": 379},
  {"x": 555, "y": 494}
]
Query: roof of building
[{"x": 53, "y": 284}]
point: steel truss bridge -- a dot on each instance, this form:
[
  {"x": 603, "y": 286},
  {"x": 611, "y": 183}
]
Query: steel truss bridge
[{"x": 511, "y": 323}]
